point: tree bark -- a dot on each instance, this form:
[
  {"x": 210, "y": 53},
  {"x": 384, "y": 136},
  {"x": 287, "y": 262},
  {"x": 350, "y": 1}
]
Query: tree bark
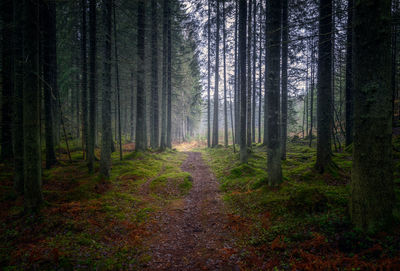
[
  {"x": 216, "y": 86},
  {"x": 285, "y": 40},
  {"x": 225, "y": 101},
  {"x": 141, "y": 106},
  {"x": 209, "y": 75},
  {"x": 372, "y": 191},
  {"x": 164, "y": 78},
  {"x": 253, "y": 107},
  {"x": 242, "y": 64},
  {"x": 349, "y": 76},
  {"x": 84, "y": 100},
  {"x": 92, "y": 85},
  {"x": 106, "y": 137},
  {"x": 7, "y": 81},
  {"x": 273, "y": 78},
  {"x": 155, "y": 144},
  {"x": 118, "y": 92},
  {"x": 249, "y": 21},
  {"x": 324, "y": 87},
  {"x": 169, "y": 79},
  {"x": 33, "y": 198}
]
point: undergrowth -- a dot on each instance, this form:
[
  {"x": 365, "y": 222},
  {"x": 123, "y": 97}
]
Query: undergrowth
[{"x": 303, "y": 224}]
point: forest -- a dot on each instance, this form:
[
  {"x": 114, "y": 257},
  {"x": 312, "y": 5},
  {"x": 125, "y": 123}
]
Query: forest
[{"x": 199, "y": 135}]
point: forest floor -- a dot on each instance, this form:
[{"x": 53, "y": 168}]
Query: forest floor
[{"x": 192, "y": 208}]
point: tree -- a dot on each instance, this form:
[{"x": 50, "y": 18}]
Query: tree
[
  {"x": 273, "y": 91},
  {"x": 349, "y": 77},
  {"x": 92, "y": 85},
  {"x": 249, "y": 19},
  {"x": 285, "y": 40},
  {"x": 164, "y": 78},
  {"x": 50, "y": 77},
  {"x": 7, "y": 80},
  {"x": 242, "y": 65},
  {"x": 84, "y": 100},
  {"x": 118, "y": 91},
  {"x": 216, "y": 93},
  {"x": 225, "y": 101},
  {"x": 372, "y": 194},
  {"x": 253, "y": 106},
  {"x": 140, "y": 100},
  {"x": 33, "y": 198},
  {"x": 324, "y": 87},
  {"x": 154, "y": 76},
  {"x": 106, "y": 137},
  {"x": 169, "y": 79},
  {"x": 209, "y": 75},
  {"x": 17, "y": 120}
]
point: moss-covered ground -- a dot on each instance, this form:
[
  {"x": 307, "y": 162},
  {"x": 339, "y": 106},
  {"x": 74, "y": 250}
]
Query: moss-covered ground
[
  {"x": 304, "y": 223},
  {"x": 87, "y": 222}
]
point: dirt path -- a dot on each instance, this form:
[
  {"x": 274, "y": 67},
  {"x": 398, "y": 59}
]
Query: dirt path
[{"x": 192, "y": 234}]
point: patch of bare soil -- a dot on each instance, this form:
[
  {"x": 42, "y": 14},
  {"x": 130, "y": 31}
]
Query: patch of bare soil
[{"x": 193, "y": 233}]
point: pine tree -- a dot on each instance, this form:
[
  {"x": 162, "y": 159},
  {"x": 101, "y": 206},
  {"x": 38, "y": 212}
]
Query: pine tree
[
  {"x": 216, "y": 92},
  {"x": 242, "y": 65}
]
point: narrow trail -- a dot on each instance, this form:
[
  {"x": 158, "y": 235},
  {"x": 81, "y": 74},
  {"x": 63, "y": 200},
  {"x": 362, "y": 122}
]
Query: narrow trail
[{"x": 192, "y": 234}]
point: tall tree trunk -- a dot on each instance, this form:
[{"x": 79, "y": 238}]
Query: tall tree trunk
[
  {"x": 118, "y": 90},
  {"x": 209, "y": 75},
  {"x": 260, "y": 76},
  {"x": 106, "y": 137},
  {"x": 349, "y": 75},
  {"x": 154, "y": 76},
  {"x": 273, "y": 74},
  {"x": 169, "y": 80},
  {"x": 141, "y": 106},
  {"x": 242, "y": 65},
  {"x": 216, "y": 92},
  {"x": 132, "y": 115},
  {"x": 249, "y": 21},
  {"x": 164, "y": 78},
  {"x": 310, "y": 134},
  {"x": 225, "y": 101},
  {"x": 49, "y": 64},
  {"x": 253, "y": 107},
  {"x": 237, "y": 83},
  {"x": 84, "y": 100},
  {"x": 266, "y": 90},
  {"x": 324, "y": 97},
  {"x": 33, "y": 198},
  {"x": 372, "y": 194},
  {"x": 92, "y": 85},
  {"x": 285, "y": 40},
  {"x": 17, "y": 128},
  {"x": 7, "y": 81}
]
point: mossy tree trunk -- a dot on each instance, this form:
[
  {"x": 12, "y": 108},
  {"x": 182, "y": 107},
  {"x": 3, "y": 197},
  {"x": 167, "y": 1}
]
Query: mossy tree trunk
[
  {"x": 84, "y": 106},
  {"x": 372, "y": 194},
  {"x": 155, "y": 138},
  {"x": 273, "y": 88},
  {"x": 285, "y": 40}
]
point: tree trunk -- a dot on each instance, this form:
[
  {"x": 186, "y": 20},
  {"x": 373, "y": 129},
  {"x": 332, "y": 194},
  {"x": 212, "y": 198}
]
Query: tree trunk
[
  {"x": 132, "y": 115},
  {"x": 49, "y": 64},
  {"x": 310, "y": 134},
  {"x": 273, "y": 74},
  {"x": 17, "y": 131},
  {"x": 169, "y": 80},
  {"x": 141, "y": 106},
  {"x": 285, "y": 40},
  {"x": 372, "y": 194},
  {"x": 209, "y": 75},
  {"x": 249, "y": 21},
  {"x": 7, "y": 81},
  {"x": 242, "y": 64},
  {"x": 118, "y": 91},
  {"x": 349, "y": 76},
  {"x": 155, "y": 144},
  {"x": 84, "y": 100},
  {"x": 216, "y": 92},
  {"x": 92, "y": 86},
  {"x": 164, "y": 78},
  {"x": 266, "y": 90},
  {"x": 324, "y": 87},
  {"x": 225, "y": 101},
  {"x": 106, "y": 137},
  {"x": 33, "y": 198},
  {"x": 253, "y": 107},
  {"x": 260, "y": 76}
]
